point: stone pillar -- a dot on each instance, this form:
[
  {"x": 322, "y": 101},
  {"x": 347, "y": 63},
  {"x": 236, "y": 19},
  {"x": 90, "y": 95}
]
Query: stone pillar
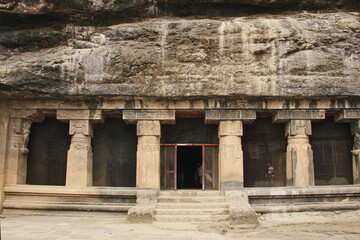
[
  {"x": 79, "y": 162},
  {"x": 355, "y": 129},
  {"x": 20, "y": 123},
  {"x": 230, "y": 151},
  {"x": 4, "y": 130},
  {"x": 231, "y": 155},
  {"x": 148, "y": 154},
  {"x": 299, "y": 155},
  {"x": 353, "y": 117},
  {"x": 148, "y": 148}
]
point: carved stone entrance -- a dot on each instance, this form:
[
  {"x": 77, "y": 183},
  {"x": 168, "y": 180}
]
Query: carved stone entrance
[{"x": 189, "y": 166}]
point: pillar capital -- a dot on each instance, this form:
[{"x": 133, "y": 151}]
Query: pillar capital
[
  {"x": 80, "y": 127},
  {"x": 230, "y": 128},
  {"x": 298, "y": 127},
  {"x": 164, "y": 116},
  {"x": 215, "y": 116},
  {"x": 148, "y": 128}
]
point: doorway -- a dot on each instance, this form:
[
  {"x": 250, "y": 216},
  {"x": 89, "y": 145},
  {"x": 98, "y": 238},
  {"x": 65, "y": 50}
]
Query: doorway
[{"x": 189, "y": 167}]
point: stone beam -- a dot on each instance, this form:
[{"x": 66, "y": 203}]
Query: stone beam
[
  {"x": 286, "y": 115},
  {"x": 164, "y": 116},
  {"x": 27, "y": 114},
  {"x": 215, "y": 116},
  {"x": 347, "y": 116},
  {"x": 80, "y": 114}
]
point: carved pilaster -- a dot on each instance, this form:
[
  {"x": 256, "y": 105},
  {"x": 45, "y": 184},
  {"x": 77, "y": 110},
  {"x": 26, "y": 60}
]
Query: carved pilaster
[
  {"x": 79, "y": 164},
  {"x": 299, "y": 155},
  {"x": 20, "y": 124},
  {"x": 231, "y": 155},
  {"x": 355, "y": 130}
]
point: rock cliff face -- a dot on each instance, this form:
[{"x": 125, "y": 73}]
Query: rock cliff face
[{"x": 292, "y": 54}]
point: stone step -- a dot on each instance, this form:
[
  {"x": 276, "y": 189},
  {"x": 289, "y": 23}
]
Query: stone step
[
  {"x": 190, "y": 193},
  {"x": 177, "y": 226},
  {"x": 191, "y": 226},
  {"x": 191, "y": 218},
  {"x": 202, "y": 205},
  {"x": 192, "y": 211},
  {"x": 322, "y": 206},
  {"x": 179, "y": 199}
]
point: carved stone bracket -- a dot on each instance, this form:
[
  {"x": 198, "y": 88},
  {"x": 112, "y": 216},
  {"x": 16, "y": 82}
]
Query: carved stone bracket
[{"x": 298, "y": 127}]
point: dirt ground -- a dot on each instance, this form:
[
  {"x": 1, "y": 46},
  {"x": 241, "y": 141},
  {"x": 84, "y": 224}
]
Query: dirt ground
[{"x": 309, "y": 225}]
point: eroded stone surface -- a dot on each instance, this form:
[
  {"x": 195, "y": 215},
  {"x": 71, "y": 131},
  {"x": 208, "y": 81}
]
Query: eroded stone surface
[{"x": 298, "y": 55}]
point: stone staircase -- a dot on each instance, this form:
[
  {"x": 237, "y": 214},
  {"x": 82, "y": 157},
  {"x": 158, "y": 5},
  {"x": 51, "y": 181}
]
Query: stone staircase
[{"x": 190, "y": 210}]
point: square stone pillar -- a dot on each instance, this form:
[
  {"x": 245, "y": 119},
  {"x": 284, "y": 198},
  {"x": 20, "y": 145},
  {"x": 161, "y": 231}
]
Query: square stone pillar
[
  {"x": 79, "y": 159},
  {"x": 353, "y": 117},
  {"x": 355, "y": 129},
  {"x": 231, "y": 155},
  {"x": 17, "y": 151},
  {"x": 148, "y": 154},
  {"x": 20, "y": 123},
  {"x": 299, "y": 155}
]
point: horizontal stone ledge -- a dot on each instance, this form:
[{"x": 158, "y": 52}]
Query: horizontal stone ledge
[
  {"x": 298, "y": 191},
  {"x": 285, "y": 115},
  {"x": 214, "y": 116},
  {"x": 347, "y": 116},
  {"x": 334, "y": 206},
  {"x": 80, "y": 114},
  {"x": 164, "y": 116},
  {"x": 66, "y": 206},
  {"x": 19, "y": 189}
]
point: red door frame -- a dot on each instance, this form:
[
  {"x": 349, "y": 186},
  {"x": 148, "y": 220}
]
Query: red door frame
[{"x": 175, "y": 159}]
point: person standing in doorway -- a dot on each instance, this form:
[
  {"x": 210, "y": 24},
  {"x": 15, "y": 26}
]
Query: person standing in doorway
[{"x": 269, "y": 173}]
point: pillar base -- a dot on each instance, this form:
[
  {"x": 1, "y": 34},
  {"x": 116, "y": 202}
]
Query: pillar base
[
  {"x": 241, "y": 213},
  {"x": 144, "y": 210},
  {"x": 231, "y": 185}
]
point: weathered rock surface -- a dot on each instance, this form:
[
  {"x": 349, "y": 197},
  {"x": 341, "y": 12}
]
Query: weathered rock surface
[{"x": 277, "y": 56}]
